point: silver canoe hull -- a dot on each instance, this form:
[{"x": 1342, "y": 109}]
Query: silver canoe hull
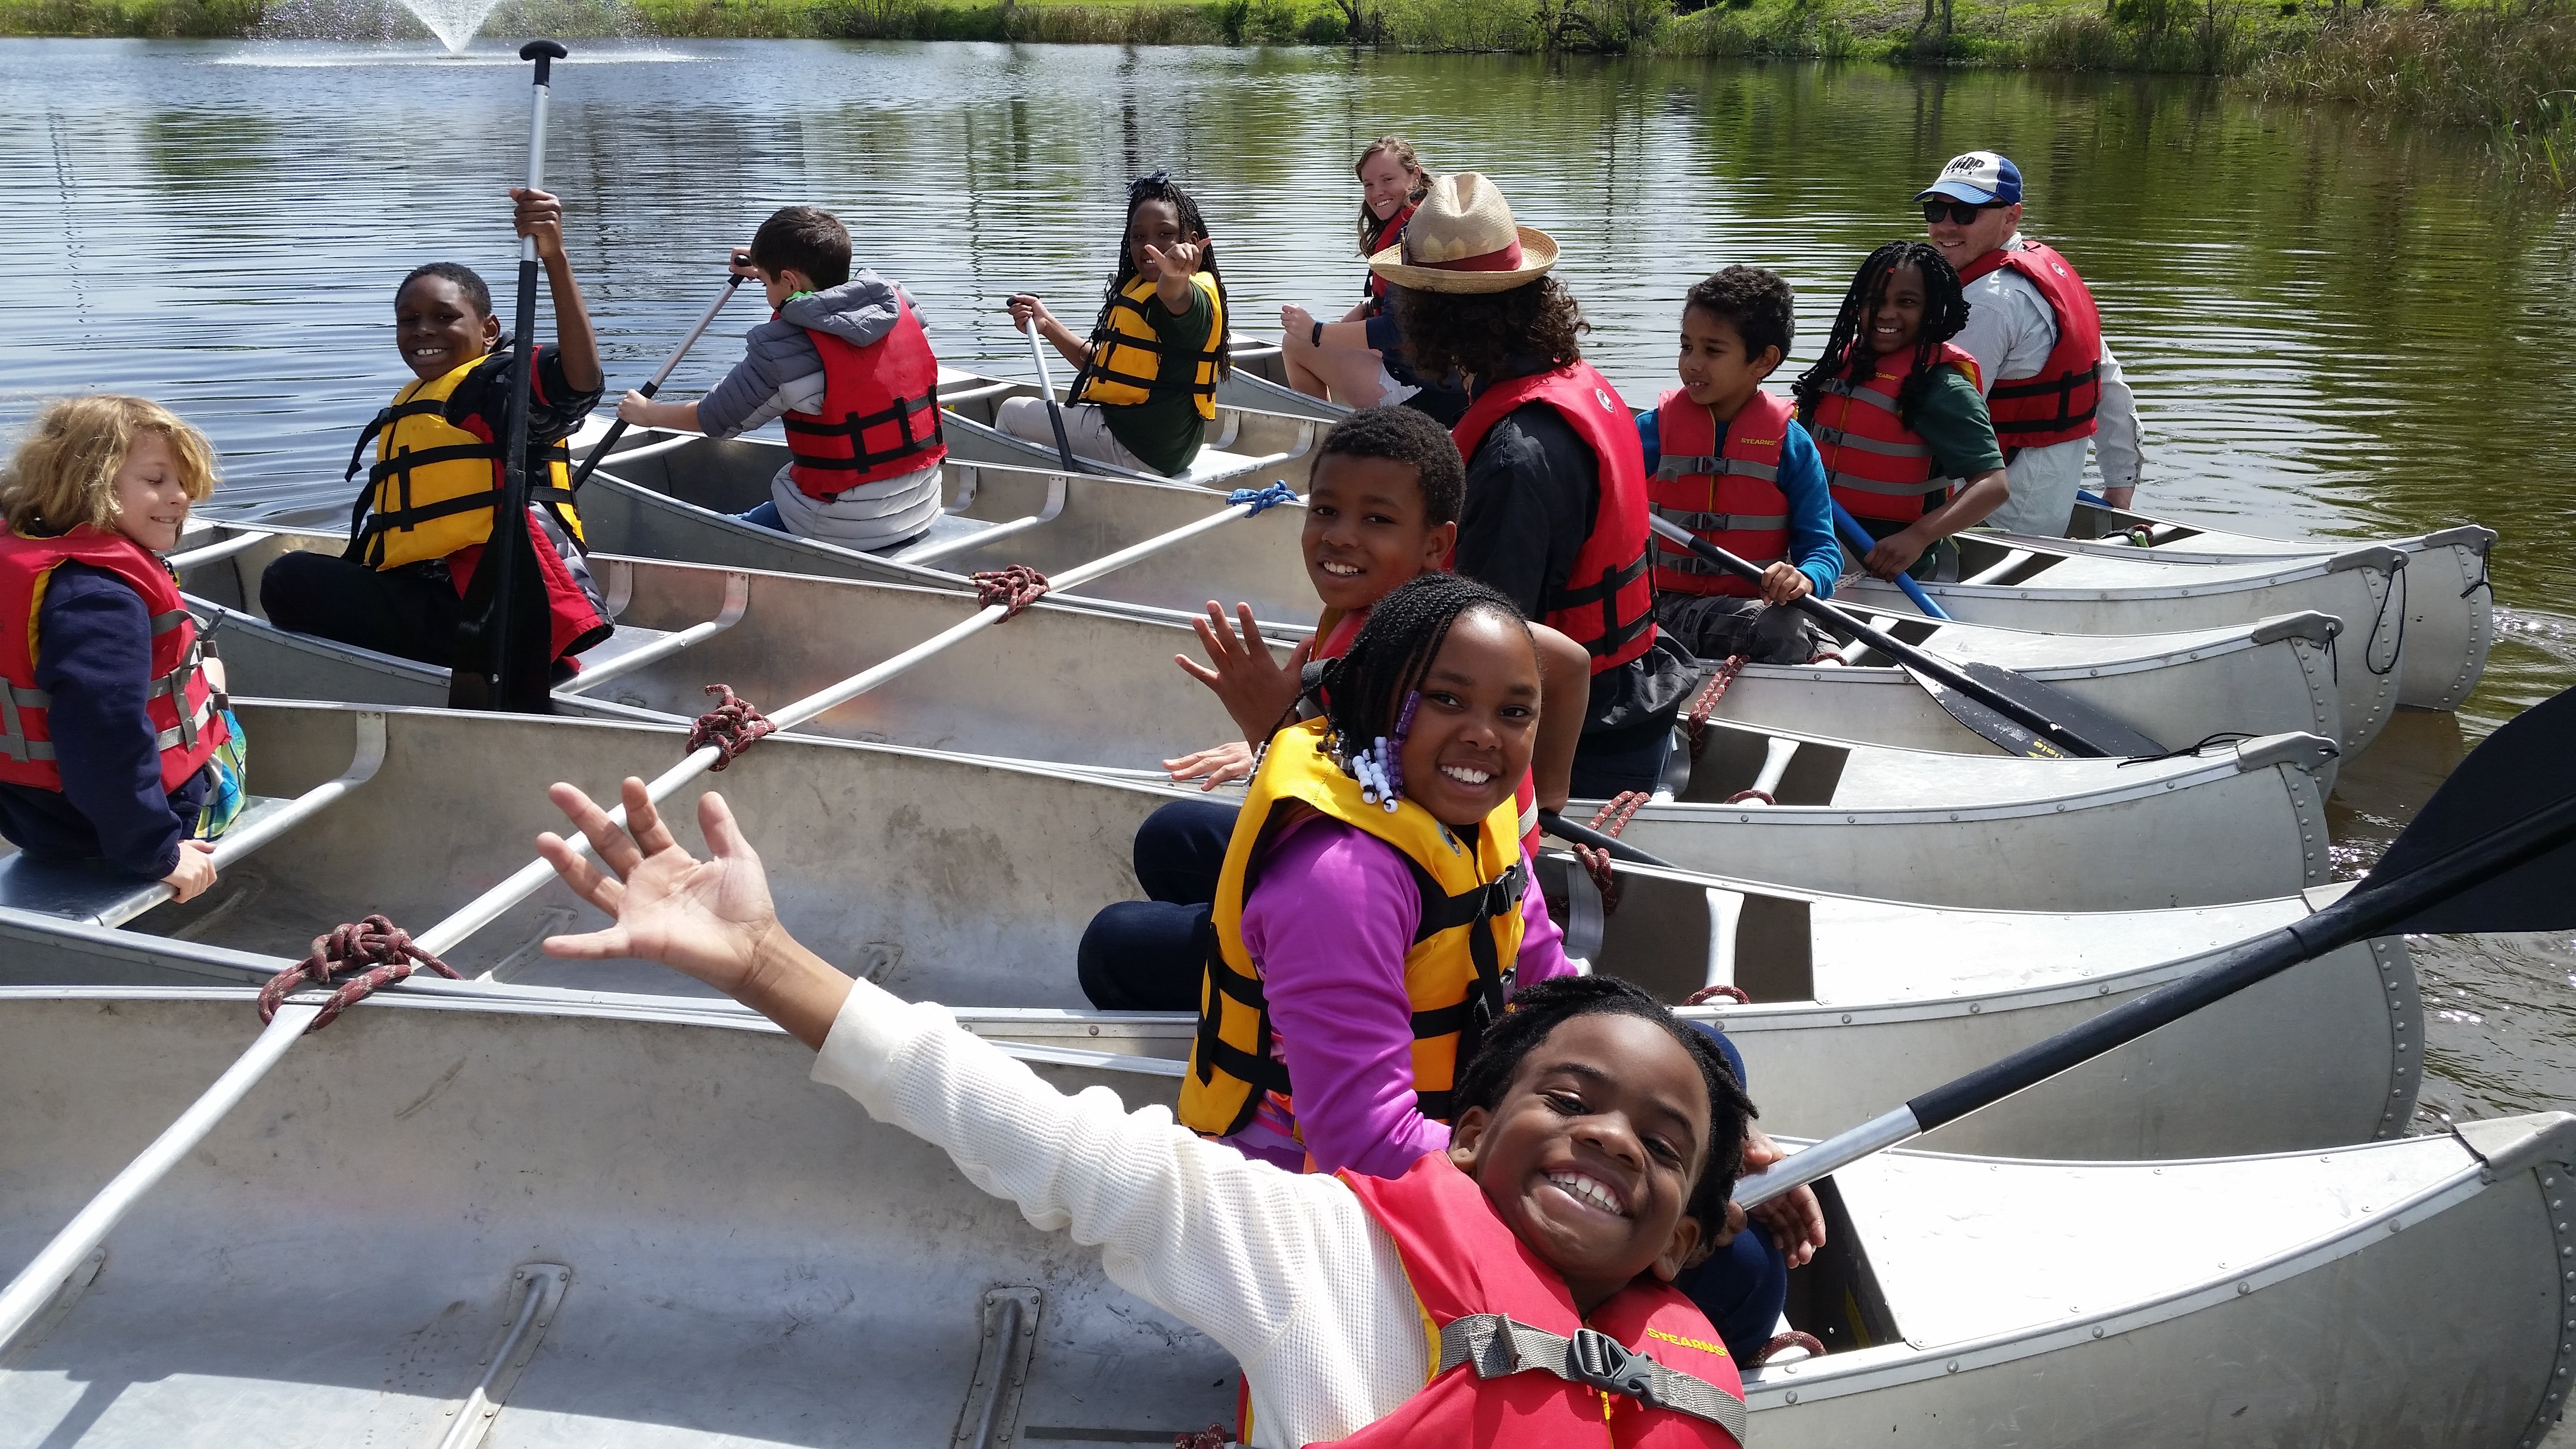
[
  {"x": 667, "y": 496},
  {"x": 682, "y": 1209},
  {"x": 1069, "y": 685},
  {"x": 1245, "y": 444},
  {"x": 970, "y": 882}
]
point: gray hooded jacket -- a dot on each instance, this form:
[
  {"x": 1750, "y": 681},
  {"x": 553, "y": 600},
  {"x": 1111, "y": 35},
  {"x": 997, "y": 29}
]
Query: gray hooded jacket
[{"x": 780, "y": 371}]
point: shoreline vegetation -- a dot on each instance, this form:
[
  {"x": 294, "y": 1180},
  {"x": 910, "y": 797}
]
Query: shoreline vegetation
[{"x": 2504, "y": 66}]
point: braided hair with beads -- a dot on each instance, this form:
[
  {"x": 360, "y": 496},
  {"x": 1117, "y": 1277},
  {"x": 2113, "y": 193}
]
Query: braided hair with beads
[
  {"x": 1848, "y": 358},
  {"x": 1368, "y": 691},
  {"x": 1159, "y": 187}
]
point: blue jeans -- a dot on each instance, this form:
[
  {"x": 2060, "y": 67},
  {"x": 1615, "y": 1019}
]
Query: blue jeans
[
  {"x": 765, "y": 516},
  {"x": 1744, "y": 1285}
]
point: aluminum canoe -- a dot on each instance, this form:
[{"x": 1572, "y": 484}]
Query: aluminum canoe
[
  {"x": 2444, "y": 609},
  {"x": 2279, "y": 676},
  {"x": 666, "y": 495},
  {"x": 1246, "y": 442},
  {"x": 706, "y": 1248},
  {"x": 1076, "y": 686},
  {"x": 969, "y": 882}
]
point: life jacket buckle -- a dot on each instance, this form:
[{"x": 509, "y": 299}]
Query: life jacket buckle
[{"x": 1595, "y": 1358}]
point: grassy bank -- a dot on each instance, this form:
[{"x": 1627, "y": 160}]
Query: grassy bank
[{"x": 2506, "y": 67}]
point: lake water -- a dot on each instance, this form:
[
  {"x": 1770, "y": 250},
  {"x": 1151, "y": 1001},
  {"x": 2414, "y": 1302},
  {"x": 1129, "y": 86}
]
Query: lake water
[{"x": 2332, "y": 329}]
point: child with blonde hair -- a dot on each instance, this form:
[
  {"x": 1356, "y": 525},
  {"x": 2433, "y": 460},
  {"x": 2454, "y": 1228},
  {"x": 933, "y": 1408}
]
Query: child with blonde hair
[{"x": 115, "y": 742}]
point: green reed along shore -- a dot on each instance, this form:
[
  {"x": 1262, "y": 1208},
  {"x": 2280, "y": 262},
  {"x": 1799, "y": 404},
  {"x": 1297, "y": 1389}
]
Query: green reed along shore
[{"x": 2506, "y": 67}]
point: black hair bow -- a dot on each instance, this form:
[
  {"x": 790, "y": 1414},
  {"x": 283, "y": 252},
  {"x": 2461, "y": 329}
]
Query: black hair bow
[{"x": 1149, "y": 184}]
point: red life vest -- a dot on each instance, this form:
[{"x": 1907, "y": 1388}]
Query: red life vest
[
  {"x": 876, "y": 393},
  {"x": 181, "y": 703},
  {"x": 1336, "y": 632},
  {"x": 1381, "y": 239},
  {"x": 1608, "y": 605},
  {"x": 1878, "y": 467},
  {"x": 1462, "y": 1263},
  {"x": 1730, "y": 496},
  {"x": 2057, "y": 405}
]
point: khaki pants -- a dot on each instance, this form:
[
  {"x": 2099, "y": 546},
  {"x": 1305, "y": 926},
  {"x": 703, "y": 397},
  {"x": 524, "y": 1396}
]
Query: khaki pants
[{"x": 1086, "y": 426}]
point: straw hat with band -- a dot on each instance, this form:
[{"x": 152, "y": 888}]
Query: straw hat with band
[{"x": 1462, "y": 239}]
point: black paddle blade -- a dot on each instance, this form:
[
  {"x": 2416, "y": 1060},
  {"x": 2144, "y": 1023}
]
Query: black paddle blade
[
  {"x": 1990, "y": 725},
  {"x": 2111, "y": 734},
  {"x": 2521, "y": 770}
]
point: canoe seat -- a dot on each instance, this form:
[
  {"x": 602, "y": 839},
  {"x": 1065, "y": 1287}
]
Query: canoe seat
[
  {"x": 625, "y": 641},
  {"x": 947, "y": 528},
  {"x": 93, "y": 891}
]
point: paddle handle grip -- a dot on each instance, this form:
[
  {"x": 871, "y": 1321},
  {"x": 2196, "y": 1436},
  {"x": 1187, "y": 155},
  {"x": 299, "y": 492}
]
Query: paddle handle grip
[
  {"x": 1858, "y": 537},
  {"x": 1888, "y": 644},
  {"x": 1564, "y": 829}
]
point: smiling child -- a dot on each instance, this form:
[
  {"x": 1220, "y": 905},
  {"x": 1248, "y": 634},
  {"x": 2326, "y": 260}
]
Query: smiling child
[
  {"x": 1895, "y": 412},
  {"x": 119, "y": 747},
  {"x": 1595, "y": 1138}
]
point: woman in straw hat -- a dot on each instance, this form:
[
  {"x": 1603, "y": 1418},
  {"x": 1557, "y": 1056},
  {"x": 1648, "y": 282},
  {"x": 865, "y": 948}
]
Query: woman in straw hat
[{"x": 1556, "y": 480}]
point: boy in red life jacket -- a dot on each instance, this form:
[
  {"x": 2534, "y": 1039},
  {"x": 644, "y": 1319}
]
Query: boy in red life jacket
[
  {"x": 2052, "y": 385},
  {"x": 1556, "y": 507},
  {"x": 115, "y": 744},
  {"x": 1728, "y": 462},
  {"x": 843, "y": 361},
  {"x": 418, "y": 529},
  {"x": 1896, "y": 414},
  {"x": 1381, "y": 509},
  {"x": 1595, "y": 1136}
]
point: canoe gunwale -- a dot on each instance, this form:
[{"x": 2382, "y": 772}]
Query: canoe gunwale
[{"x": 1890, "y": 1365}]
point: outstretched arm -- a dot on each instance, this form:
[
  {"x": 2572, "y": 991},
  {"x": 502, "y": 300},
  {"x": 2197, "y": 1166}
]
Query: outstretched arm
[
  {"x": 1235, "y": 1248},
  {"x": 539, "y": 214}
]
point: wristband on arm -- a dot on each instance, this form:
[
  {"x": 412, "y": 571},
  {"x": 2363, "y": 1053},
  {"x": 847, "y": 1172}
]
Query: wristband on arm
[{"x": 1316, "y": 337}]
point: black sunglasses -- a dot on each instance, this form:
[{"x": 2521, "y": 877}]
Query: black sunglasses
[{"x": 1960, "y": 212}]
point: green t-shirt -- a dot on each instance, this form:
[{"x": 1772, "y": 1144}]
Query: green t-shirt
[
  {"x": 1164, "y": 430},
  {"x": 1951, "y": 416}
]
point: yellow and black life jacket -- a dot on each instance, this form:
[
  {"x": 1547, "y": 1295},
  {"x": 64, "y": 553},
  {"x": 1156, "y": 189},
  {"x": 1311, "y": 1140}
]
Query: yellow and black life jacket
[
  {"x": 1469, "y": 936},
  {"x": 435, "y": 481},
  {"x": 1127, "y": 364}
]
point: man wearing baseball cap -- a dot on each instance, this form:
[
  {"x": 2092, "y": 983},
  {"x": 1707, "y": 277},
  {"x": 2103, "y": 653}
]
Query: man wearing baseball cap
[{"x": 2052, "y": 385}]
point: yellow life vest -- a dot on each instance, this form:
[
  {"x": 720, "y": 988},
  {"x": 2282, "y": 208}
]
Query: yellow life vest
[
  {"x": 1454, "y": 972},
  {"x": 433, "y": 485},
  {"x": 1127, "y": 363}
]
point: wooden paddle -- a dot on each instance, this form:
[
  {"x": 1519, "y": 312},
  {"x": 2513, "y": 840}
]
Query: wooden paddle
[
  {"x": 492, "y": 667},
  {"x": 2493, "y": 850},
  {"x": 2016, "y": 712},
  {"x": 654, "y": 383},
  {"x": 1858, "y": 537}
]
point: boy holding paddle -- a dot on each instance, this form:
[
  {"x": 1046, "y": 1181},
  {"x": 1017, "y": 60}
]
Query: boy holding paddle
[{"x": 417, "y": 533}]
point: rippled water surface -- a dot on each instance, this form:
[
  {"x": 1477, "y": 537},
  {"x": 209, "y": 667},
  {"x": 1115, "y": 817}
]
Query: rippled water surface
[{"x": 2332, "y": 330}]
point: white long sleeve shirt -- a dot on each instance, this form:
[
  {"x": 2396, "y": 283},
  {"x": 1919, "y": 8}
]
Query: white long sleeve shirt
[
  {"x": 1285, "y": 1271},
  {"x": 2010, "y": 331}
]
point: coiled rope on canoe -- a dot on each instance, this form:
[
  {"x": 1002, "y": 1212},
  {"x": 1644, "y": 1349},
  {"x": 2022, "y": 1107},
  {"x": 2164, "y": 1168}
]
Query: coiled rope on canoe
[
  {"x": 731, "y": 726},
  {"x": 382, "y": 952}
]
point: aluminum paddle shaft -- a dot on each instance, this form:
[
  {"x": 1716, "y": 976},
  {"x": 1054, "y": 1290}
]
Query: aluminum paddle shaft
[
  {"x": 653, "y": 384},
  {"x": 438, "y": 940},
  {"x": 1046, "y": 385}
]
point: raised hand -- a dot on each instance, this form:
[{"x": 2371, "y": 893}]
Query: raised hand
[
  {"x": 706, "y": 918},
  {"x": 1254, "y": 688},
  {"x": 538, "y": 214},
  {"x": 1180, "y": 259}
]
